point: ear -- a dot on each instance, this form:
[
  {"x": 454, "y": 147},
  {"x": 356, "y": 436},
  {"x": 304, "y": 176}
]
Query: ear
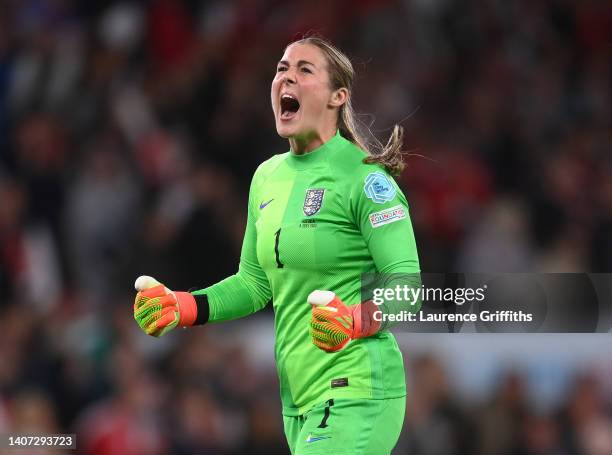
[{"x": 338, "y": 97}]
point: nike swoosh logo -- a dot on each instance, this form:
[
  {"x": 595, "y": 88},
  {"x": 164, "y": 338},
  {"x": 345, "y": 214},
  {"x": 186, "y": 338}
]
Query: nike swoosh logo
[
  {"x": 263, "y": 204},
  {"x": 310, "y": 439}
]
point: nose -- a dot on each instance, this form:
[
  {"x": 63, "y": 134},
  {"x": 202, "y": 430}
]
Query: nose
[{"x": 289, "y": 76}]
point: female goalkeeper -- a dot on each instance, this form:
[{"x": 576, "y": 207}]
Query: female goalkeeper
[{"x": 319, "y": 216}]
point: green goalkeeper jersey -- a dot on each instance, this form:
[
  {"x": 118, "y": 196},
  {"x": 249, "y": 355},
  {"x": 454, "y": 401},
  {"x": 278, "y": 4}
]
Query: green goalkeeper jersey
[{"x": 318, "y": 221}]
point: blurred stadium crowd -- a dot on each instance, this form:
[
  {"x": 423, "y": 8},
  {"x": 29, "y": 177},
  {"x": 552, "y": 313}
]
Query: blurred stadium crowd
[{"x": 128, "y": 135}]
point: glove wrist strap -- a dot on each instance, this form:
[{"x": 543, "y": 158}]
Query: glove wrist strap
[
  {"x": 364, "y": 324},
  {"x": 187, "y": 308}
]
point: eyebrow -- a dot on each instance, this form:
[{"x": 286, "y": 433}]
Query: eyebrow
[{"x": 299, "y": 63}]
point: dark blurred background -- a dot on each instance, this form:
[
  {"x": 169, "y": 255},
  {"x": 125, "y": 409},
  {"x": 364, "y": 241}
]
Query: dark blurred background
[{"x": 128, "y": 135}]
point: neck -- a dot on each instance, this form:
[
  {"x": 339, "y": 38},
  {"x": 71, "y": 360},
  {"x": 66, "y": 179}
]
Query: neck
[{"x": 304, "y": 143}]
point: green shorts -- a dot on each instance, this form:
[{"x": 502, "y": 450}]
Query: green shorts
[{"x": 347, "y": 426}]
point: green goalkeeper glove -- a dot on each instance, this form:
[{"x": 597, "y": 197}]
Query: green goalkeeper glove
[{"x": 158, "y": 310}]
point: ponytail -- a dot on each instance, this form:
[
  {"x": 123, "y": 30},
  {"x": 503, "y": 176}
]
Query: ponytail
[{"x": 389, "y": 156}]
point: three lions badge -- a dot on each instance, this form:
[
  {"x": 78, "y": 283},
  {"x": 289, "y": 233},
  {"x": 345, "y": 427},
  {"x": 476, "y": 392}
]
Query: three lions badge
[{"x": 313, "y": 201}]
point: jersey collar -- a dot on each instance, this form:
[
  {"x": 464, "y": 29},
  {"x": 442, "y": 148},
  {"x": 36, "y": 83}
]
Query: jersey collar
[{"x": 318, "y": 155}]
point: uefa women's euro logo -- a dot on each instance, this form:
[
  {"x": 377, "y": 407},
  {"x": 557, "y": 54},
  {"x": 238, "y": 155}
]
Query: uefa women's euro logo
[{"x": 379, "y": 188}]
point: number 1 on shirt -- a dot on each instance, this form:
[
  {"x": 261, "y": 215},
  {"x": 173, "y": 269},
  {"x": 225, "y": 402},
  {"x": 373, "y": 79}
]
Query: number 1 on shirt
[{"x": 279, "y": 264}]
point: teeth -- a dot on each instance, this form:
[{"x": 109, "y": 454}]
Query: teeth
[{"x": 288, "y": 105}]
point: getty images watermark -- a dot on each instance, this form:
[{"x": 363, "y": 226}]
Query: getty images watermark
[
  {"x": 486, "y": 302},
  {"x": 409, "y": 295}
]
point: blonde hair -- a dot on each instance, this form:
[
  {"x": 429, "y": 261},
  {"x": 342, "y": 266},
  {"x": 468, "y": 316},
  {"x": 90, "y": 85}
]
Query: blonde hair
[{"x": 342, "y": 74}]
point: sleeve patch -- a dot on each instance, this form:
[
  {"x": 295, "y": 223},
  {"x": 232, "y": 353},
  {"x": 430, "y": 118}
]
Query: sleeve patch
[
  {"x": 387, "y": 216},
  {"x": 379, "y": 188}
]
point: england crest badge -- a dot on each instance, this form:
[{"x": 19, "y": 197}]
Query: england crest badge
[{"x": 313, "y": 201}]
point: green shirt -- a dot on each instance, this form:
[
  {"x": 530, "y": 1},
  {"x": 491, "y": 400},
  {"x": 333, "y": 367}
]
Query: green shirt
[{"x": 318, "y": 221}]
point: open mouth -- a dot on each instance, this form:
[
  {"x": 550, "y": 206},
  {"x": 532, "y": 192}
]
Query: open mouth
[{"x": 289, "y": 106}]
